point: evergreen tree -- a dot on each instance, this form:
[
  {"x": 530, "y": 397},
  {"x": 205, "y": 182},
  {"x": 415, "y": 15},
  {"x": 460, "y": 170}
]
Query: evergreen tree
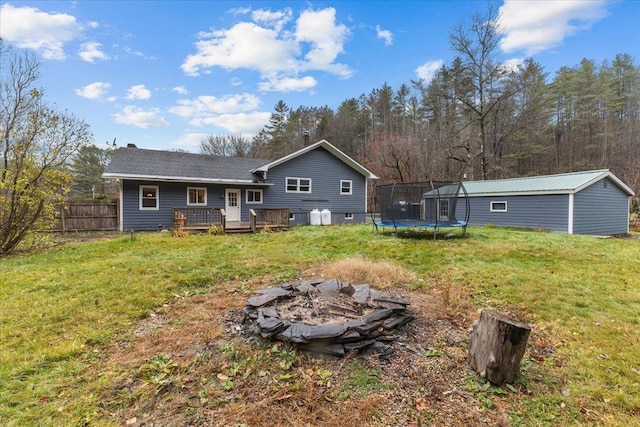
[{"x": 87, "y": 166}]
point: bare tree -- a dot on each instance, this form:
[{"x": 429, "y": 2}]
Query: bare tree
[
  {"x": 35, "y": 142},
  {"x": 226, "y": 145},
  {"x": 482, "y": 89}
]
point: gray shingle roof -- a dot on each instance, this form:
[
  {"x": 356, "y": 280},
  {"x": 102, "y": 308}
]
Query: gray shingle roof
[
  {"x": 136, "y": 163},
  {"x": 545, "y": 184}
]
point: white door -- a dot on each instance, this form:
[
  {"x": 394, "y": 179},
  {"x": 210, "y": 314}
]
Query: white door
[
  {"x": 232, "y": 204},
  {"x": 443, "y": 209}
]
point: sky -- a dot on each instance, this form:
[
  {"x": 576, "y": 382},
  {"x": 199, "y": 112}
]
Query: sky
[{"x": 165, "y": 74}]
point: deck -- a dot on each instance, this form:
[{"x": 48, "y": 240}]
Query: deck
[{"x": 205, "y": 219}]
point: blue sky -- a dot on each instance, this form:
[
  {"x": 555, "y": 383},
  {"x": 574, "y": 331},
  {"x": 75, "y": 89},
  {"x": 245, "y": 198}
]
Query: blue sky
[{"x": 164, "y": 74}]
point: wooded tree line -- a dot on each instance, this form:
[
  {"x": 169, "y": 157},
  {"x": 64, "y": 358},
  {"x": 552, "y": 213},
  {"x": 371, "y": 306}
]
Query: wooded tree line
[{"x": 477, "y": 118}]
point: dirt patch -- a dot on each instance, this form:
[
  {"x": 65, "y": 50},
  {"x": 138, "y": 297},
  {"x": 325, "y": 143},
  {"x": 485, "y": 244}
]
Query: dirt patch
[{"x": 191, "y": 364}]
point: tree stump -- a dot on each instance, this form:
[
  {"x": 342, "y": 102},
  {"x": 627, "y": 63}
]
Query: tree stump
[{"x": 496, "y": 346}]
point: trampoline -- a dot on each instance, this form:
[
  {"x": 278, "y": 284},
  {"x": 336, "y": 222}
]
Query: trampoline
[{"x": 423, "y": 205}]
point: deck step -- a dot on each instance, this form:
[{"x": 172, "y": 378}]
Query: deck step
[{"x": 237, "y": 230}]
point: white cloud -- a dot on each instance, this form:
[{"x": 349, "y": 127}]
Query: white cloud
[
  {"x": 93, "y": 90},
  {"x": 240, "y": 11},
  {"x": 534, "y": 26},
  {"x": 266, "y": 46},
  {"x": 245, "y": 45},
  {"x": 327, "y": 40},
  {"x": 427, "y": 70},
  {"x": 134, "y": 52},
  {"x": 234, "y": 113},
  {"x": 138, "y": 92},
  {"x": 384, "y": 35},
  {"x": 275, "y": 20},
  {"x": 130, "y": 51},
  {"x": 131, "y": 115},
  {"x": 206, "y": 106},
  {"x": 288, "y": 84},
  {"x": 246, "y": 124},
  {"x": 46, "y": 33},
  {"x": 513, "y": 64},
  {"x": 190, "y": 139},
  {"x": 180, "y": 90},
  {"x": 90, "y": 51}
]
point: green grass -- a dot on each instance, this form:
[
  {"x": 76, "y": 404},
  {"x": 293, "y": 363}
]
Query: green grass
[{"x": 582, "y": 293}]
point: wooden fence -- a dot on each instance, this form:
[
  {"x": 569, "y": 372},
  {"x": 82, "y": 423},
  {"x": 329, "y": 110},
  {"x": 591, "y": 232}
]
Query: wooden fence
[{"x": 90, "y": 215}]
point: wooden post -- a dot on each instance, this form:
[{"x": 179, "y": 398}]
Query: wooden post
[
  {"x": 496, "y": 346},
  {"x": 63, "y": 220}
]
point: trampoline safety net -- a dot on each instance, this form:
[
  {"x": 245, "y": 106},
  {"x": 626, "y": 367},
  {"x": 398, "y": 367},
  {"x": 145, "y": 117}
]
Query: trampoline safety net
[{"x": 423, "y": 204}]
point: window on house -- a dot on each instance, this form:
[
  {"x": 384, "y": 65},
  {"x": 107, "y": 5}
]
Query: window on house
[
  {"x": 292, "y": 217},
  {"x": 348, "y": 215},
  {"x": 298, "y": 185},
  {"x": 149, "y": 197},
  {"x": 197, "y": 196},
  {"x": 498, "y": 207},
  {"x": 345, "y": 186},
  {"x": 254, "y": 196}
]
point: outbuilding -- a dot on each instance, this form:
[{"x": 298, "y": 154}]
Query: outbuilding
[{"x": 592, "y": 202}]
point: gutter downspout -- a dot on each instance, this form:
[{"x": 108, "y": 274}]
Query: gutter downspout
[
  {"x": 628, "y": 210},
  {"x": 366, "y": 196},
  {"x": 121, "y": 206}
]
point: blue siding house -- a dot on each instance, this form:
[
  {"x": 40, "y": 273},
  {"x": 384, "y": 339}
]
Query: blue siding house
[
  {"x": 590, "y": 202},
  {"x": 157, "y": 186}
]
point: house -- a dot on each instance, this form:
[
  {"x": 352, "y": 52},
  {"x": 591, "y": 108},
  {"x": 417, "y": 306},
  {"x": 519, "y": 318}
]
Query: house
[
  {"x": 164, "y": 189},
  {"x": 591, "y": 202}
]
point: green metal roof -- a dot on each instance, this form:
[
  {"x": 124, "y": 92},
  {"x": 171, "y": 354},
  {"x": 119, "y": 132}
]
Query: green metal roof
[{"x": 565, "y": 183}]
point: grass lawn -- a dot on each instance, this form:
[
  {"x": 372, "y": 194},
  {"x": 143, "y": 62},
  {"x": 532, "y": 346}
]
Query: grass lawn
[{"x": 71, "y": 316}]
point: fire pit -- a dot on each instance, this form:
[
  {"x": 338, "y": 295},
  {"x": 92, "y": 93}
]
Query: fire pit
[{"x": 327, "y": 316}]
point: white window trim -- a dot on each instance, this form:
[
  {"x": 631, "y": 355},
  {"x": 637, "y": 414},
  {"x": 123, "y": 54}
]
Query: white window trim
[
  {"x": 348, "y": 216},
  {"x": 142, "y": 208},
  {"x": 441, "y": 204},
  {"x": 342, "y": 181},
  {"x": 286, "y": 185},
  {"x": 492, "y": 209},
  {"x": 251, "y": 190},
  {"x": 205, "y": 196}
]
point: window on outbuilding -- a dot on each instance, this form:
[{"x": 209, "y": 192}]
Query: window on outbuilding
[
  {"x": 443, "y": 209},
  {"x": 254, "y": 196},
  {"x": 498, "y": 207},
  {"x": 149, "y": 197},
  {"x": 196, "y": 196},
  {"x": 348, "y": 216}
]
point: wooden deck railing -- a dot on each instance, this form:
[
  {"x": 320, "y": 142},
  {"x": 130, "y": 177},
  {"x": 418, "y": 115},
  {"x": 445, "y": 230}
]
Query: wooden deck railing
[
  {"x": 198, "y": 218},
  {"x": 268, "y": 218},
  {"x": 203, "y": 218}
]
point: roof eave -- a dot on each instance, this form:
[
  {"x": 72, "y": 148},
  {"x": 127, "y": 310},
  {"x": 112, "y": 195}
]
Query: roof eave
[
  {"x": 519, "y": 193},
  {"x": 608, "y": 174},
  {"x": 135, "y": 177}
]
